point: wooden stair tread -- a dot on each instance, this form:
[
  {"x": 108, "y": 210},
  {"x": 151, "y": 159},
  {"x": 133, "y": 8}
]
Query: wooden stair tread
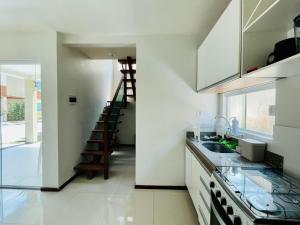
[
  {"x": 129, "y": 80},
  {"x": 114, "y": 107},
  {"x": 95, "y": 141},
  {"x": 125, "y": 61},
  {"x": 89, "y": 167},
  {"x": 127, "y": 71},
  {"x": 113, "y": 114},
  {"x": 102, "y": 130},
  {"x": 115, "y": 101},
  {"x": 92, "y": 149},
  {"x": 111, "y": 121},
  {"x": 92, "y": 152}
]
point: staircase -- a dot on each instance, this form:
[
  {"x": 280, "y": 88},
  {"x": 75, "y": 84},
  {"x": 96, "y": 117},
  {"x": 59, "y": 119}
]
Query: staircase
[
  {"x": 103, "y": 138},
  {"x": 129, "y": 78}
]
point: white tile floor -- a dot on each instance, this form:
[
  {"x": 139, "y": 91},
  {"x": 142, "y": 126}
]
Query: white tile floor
[
  {"x": 26, "y": 156},
  {"x": 99, "y": 202}
]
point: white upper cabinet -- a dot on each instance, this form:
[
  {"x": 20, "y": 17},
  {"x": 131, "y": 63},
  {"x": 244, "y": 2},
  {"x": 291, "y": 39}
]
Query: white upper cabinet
[
  {"x": 267, "y": 22},
  {"x": 219, "y": 54},
  {"x": 239, "y": 45}
]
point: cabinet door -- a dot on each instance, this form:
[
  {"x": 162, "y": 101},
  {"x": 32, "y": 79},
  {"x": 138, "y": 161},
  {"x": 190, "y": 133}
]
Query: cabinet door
[
  {"x": 188, "y": 168},
  {"x": 195, "y": 181},
  {"x": 200, "y": 191},
  {"x": 219, "y": 54}
]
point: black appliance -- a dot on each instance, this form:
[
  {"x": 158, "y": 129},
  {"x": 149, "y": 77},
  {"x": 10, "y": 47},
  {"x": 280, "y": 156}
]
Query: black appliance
[{"x": 284, "y": 49}]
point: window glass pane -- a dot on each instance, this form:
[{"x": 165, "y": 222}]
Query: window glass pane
[
  {"x": 235, "y": 107},
  {"x": 259, "y": 105}
]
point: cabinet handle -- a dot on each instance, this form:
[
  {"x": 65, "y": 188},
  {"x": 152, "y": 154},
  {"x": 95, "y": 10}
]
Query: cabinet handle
[
  {"x": 203, "y": 182},
  {"x": 202, "y": 215},
  {"x": 205, "y": 203}
]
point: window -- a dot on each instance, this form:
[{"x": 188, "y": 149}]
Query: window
[{"x": 254, "y": 109}]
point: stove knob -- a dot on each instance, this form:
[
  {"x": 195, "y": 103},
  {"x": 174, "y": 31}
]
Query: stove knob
[
  {"x": 229, "y": 210},
  {"x": 223, "y": 201},
  {"x": 212, "y": 184},
  {"x": 218, "y": 194},
  {"x": 237, "y": 220}
]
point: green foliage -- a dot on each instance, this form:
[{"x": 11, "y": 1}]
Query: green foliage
[
  {"x": 16, "y": 111},
  {"x": 232, "y": 144}
]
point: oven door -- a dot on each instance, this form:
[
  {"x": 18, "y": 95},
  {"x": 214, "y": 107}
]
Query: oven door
[{"x": 218, "y": 215}]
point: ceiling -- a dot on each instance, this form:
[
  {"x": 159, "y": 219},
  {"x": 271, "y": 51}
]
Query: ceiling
[
  {"x": 22, "y": 71},
  {"x": 110, "y": 17},
  {"x": 108, "y": 53}
]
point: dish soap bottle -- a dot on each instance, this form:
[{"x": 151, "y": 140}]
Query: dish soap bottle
[{"x": 235, "y": 126}]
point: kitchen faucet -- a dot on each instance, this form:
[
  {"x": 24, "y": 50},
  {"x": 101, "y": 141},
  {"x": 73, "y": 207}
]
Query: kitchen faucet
[{"x": 228, "y": 128}]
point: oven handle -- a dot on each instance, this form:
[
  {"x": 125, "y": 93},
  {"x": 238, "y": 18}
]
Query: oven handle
[{"x": 220, "y": 220}]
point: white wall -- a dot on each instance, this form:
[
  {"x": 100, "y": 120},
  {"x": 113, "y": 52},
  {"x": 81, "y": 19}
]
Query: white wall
[
  {"x": 287, "y": 102},
  {"x": 39, "y": 47},
  {"x": 91, "y": 82},
  {"x": 166, "y": 106},
  {"x": 287, "y": 124},
  {"x": 166, "y": 102},
  {"x": 127, "y": 128}
]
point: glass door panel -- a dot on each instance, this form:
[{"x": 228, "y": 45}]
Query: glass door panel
[{"x": 21, "y": 122}]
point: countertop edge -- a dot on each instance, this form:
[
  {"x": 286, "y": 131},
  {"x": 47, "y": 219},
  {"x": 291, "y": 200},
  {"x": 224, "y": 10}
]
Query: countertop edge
[{"x": 201, "y": 157}]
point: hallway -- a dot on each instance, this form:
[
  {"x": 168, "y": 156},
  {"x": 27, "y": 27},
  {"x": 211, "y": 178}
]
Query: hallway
[{"x": 99, "y": 202}]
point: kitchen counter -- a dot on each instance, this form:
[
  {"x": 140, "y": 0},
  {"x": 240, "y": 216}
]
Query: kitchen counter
[{"x": 212, "y": 160}]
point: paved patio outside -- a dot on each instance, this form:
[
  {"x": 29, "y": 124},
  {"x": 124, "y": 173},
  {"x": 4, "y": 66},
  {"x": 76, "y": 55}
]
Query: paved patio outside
[{"x": 21, "y": 163}]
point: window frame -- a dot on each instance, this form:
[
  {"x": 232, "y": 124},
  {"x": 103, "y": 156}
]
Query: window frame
[{"x": 245, "y": 91}]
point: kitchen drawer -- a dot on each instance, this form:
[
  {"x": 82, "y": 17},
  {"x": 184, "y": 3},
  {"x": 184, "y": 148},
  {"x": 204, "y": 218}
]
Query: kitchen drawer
[
  {"x": 205, "y": 192},
  {"x": 197, "y": 181},
  {"x": 203, "y": 211},
  {"x": 204, "y": 175},
  {"x": 201, "y": 220},
  {"x": 188, "y": 169},
  {"x": 202, "y": 207}
]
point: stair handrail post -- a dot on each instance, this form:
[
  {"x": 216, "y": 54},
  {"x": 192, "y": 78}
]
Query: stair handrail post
[
  {"x": 125, "y": 89},
  {"x": 106, "y": 143}
]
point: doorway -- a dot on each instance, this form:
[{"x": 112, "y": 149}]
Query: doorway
[{"x": 21, "y": 124}]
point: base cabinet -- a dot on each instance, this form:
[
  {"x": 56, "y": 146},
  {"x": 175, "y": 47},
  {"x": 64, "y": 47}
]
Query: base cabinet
[
  {"x": 197, "y": 181},
  {"x": 188, "y": 169}
]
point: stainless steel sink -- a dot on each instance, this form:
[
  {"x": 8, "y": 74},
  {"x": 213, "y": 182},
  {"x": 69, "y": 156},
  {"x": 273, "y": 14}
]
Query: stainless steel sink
[{"x": 217, "y": 147}]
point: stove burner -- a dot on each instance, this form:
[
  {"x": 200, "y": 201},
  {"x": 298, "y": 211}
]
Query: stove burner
[
  {"x": 295, "y": 201},
  {"x": 289, "y": 197},
  {"x": 266, "y": 192},
  {"x": 262, "y": 203}
]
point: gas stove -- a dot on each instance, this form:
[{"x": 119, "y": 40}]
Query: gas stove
[{"x": 257, "y": 195}]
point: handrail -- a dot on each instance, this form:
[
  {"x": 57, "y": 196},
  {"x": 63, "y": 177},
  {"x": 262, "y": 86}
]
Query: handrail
[{"x": 106, "y": 131}]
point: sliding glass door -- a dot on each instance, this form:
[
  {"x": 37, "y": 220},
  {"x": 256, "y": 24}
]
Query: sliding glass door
[{"x": 21, "y": 124}]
